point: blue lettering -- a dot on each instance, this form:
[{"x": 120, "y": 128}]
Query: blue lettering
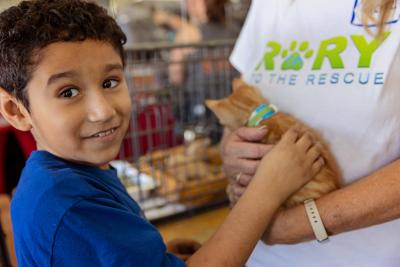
[
  {"x": 292, "y": 79},
  {"x": 363, "y": 81},
  {"x": 281, "y": 78},
  {"x": 347, "y": 75},
  {"x": 257, "y": 77},
  {"x": 379, "y": 79},
  {"x": 310, "y": 78},
  {"x": 335, "y": 78},
  {"x": 322, "y": 79}
]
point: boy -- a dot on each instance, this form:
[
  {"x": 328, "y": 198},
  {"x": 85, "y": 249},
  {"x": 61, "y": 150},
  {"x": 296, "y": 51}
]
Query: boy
[{"x": 62, "y": 79}]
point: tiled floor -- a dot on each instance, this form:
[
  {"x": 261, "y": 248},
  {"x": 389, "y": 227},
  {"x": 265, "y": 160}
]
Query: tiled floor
[{"x": 199, "y": 227}]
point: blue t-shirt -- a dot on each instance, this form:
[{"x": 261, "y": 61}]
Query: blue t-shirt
[{"x": 66, "y": 214}]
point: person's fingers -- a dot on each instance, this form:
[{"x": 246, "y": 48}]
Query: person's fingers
[
  {"x": 313, "y": 153},
  {"x": 237, "y": 190},
  {"x": 305, "y": 141},
  {"x": 317, "y": 166},
  {"x": 247, "y": 150},
  {"x": 251, "y": 134},
  {"x": 241, "y": 179},
  {"x": 292, "y": 134},
  {"x": 244, "y": 180},
  {"x": 244, "y": 166},
  {"x": 229, "y": 192}
]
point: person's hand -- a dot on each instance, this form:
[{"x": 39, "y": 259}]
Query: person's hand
[
  {"x": 241, "y": 155},
  {"x": 188, "y": 34},
  {"x": 291, "y": 163},
  {"x": 160, "y": 17}
]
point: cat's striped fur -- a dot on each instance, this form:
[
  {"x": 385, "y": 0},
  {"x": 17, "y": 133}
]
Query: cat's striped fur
[{"x": 234, "y": 111}]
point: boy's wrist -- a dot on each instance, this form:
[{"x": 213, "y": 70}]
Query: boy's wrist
[{"x": 269, "y": 188}]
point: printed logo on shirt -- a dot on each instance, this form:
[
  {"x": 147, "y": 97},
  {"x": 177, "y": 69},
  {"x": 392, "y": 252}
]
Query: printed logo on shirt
[
  {"x": 280, "y": 58},
  {"x": 356, "y": 18}
]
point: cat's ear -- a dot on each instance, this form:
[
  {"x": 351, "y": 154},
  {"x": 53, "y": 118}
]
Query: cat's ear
[
  {"x": 251, "y": 91},
  {"x": 213, "y": 104},
  {"x": 237, "y": 83},
  {"x": 221, "y": 109},
  {"x": 218, "y": 107}
]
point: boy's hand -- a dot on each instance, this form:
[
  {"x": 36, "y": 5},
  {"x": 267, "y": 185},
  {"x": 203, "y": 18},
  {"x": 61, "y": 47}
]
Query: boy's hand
[
  {"x": 241, "y": 155},
  {"x": 291, "y": 163}
]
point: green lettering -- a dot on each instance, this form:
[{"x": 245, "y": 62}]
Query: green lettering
[
  {"x": 268, "y": 58},
  {"x": 366, "y": 49},
  {"x": 331, "y": 53}
]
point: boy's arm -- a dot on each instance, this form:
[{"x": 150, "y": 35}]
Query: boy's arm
[
  {"x": 234, "y": 241},
  {"x": 280, "y": 173},
  {"x": 371, "y": 200}
]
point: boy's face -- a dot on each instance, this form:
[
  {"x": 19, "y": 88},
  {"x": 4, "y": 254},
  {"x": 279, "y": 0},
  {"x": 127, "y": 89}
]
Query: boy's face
[{"x": 79, "y": 102}]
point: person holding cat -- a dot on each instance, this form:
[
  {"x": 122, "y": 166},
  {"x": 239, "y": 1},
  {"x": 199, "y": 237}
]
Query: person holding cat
[{"x": 335, "y": 66}]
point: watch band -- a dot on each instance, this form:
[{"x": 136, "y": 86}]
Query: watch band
[{"x": 315, "y": 220}]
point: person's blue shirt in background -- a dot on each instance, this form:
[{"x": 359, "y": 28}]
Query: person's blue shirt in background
[{"x": 66, "y": 214}]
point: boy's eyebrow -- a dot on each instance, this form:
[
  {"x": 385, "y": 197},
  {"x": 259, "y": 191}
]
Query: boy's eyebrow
[
  {"x": 72, "y": 74},
  {"x": 67, "y": 74},
  {"x": 110, "y": 67}
]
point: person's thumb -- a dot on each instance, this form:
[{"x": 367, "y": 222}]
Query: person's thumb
[{"x": 252, "y": 134}]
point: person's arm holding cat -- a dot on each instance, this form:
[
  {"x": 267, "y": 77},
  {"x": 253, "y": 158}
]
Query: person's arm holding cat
[
  {"x": 371, "y": 200},
  {"x": 291, "y": 164}
]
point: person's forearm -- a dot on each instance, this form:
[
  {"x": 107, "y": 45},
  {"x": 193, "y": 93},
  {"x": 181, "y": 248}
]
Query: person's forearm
[
  {"x": 173, "y": 21},
  {"x": 234, "y": 241},
  {"x": 372, "y": 200},
  {"x": 178, "y": 24}
]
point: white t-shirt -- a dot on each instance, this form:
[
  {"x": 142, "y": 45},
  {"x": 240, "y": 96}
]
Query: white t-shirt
[{"x": 313, "y": 59}]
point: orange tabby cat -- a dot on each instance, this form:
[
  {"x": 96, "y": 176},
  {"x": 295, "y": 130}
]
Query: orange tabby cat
[{"x": 234, "y": 112}]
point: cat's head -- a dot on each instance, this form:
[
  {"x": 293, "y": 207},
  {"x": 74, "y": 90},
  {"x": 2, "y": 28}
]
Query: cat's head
[{"x": 234, "y": 110}]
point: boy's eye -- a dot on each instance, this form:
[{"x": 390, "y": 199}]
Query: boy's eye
[
  {"x": 110, "y": 83},
  {"x": 70, "y": 92}
]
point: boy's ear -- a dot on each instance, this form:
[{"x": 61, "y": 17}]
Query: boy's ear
[{"x": 14, "y": 111}]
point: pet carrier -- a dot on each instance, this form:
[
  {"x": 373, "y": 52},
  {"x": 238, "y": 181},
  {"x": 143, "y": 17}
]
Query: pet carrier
[{"x": 169, "y": 160}]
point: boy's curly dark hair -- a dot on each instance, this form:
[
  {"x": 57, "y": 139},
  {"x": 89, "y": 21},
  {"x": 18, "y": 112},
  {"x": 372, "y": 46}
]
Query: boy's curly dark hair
[{"x": 32, "y": 25}]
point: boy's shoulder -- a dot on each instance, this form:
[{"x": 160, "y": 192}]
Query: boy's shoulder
[
  {"x": 49, "y": 186},
  {"x": 50, "y": 191},
  {"x": 47, "y": 174}
]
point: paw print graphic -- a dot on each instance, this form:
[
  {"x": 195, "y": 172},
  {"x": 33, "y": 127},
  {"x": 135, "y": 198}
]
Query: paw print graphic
[{"x": 293, "y": 58}]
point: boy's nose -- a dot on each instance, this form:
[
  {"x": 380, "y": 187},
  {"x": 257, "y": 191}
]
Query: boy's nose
[{"x": 100, "y": 108}]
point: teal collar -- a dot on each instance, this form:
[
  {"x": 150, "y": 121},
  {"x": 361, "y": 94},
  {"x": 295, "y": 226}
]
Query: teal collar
[{"x": 262, "y": 112}]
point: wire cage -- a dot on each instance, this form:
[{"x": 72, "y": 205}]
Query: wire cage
[{"x": 169, "y": 160}]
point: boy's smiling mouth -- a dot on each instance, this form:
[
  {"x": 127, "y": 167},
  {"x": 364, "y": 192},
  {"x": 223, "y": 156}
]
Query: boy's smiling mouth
[{"x": 103, "y": 134}]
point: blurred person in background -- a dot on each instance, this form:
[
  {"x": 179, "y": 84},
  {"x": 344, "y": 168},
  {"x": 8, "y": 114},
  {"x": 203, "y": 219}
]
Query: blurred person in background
[{"x": 207, "y": 21}]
